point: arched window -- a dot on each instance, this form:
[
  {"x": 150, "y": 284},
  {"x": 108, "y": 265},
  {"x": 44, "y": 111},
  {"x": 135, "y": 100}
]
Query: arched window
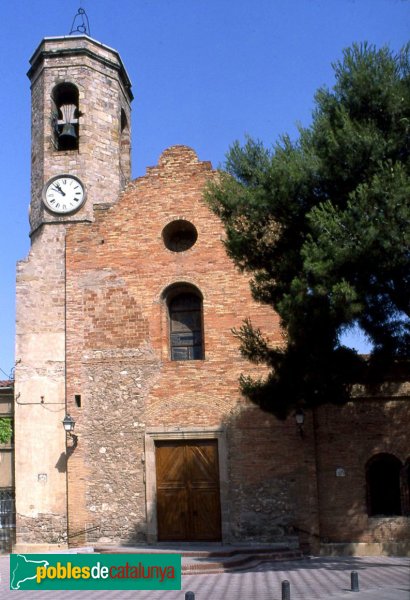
[
  {"x": 383, "y": 485},
  {"x": 185, "y": 324},
  {"x": 65, "y": 118},
  {"x": 125, "y": 150}
]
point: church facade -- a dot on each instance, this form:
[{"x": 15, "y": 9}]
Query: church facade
[{"x": 126, "y": 307}]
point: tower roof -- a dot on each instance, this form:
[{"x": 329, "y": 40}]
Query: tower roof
[{"x": 80, "y": 45}]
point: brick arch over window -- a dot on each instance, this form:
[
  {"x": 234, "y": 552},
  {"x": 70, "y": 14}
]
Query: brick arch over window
[
  {"x": 383, "y": 481},
  {"x": 185, "y": 322}
]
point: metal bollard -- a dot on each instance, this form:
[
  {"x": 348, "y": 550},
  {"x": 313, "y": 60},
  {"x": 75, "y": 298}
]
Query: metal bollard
[
  {"x": 354, "y": 581},
  {"x": 285, "y": 590},
  {"x": 189, "y": 596}
]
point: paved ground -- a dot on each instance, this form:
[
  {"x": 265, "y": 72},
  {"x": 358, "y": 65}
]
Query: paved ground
[{"x": 380, "y": 578}]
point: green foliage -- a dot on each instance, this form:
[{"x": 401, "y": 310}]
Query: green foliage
[
  {"x": 6, "y": 430},
  {"x": 323, "y": 226}
]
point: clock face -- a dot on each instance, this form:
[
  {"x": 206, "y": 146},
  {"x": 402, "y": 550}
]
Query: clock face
[{"x": 64, "y": 194}]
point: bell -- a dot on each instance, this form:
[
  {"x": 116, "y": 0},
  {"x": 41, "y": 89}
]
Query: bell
[{"x": 68, "y": 133}]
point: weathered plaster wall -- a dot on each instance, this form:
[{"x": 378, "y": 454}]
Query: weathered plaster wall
[{"x": 40, "y": 391}]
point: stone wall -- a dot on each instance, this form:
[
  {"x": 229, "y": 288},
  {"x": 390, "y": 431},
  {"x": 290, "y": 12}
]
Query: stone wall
[
  {"x": 47, "y": 529},
  {"x": 273, "y": 491}
]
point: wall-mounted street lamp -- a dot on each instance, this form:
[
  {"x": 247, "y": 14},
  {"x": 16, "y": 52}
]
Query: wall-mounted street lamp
[
  {"x": 300, "y": 420},
  {"x": 69, "y": 424}
]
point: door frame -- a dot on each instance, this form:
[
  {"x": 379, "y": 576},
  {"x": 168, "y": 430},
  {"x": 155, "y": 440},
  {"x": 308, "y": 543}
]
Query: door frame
[{"x": 180, "y": 434}]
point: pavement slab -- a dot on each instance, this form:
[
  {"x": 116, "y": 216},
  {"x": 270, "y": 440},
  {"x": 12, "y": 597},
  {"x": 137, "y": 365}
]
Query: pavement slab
[{"x": 315, "y": 578}]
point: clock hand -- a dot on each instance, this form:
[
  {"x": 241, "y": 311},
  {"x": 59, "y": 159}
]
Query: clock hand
[{"x": 58, "y": 188}]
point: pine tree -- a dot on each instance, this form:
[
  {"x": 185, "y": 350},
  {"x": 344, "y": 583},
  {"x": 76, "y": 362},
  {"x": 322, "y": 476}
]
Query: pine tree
[{"x": 323, "y": 226}]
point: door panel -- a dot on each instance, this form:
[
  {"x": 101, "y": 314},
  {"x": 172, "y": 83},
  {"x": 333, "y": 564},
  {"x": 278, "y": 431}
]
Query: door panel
[
  {"x": 203, "y": 462},
  {"x": 170, "y": 465},
  {"x": 172, "y": 515},
  {"x": 206, "y": 523},
  {"x": 188, "y": 501},
  {"x": 171, "y": 492}
]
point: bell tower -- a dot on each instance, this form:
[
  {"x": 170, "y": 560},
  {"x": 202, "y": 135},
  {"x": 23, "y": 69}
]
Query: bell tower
[
  {"x": 80, "y": 157},
  {"x": 81, "y": 98}
]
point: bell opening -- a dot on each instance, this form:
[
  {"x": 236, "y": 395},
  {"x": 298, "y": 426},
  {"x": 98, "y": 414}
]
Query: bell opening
[{"x": 66, "y": 126}]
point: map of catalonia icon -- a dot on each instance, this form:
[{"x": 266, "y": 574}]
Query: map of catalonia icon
[{"x": 23, "y": 570}]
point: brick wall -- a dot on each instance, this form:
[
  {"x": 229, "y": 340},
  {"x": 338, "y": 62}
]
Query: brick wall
[
  {"x": 118, "y": 360},
  {"x": 121, "y": 384},
  {"x": 278, "y": 483},
  {"x": 347, "y": 438}
]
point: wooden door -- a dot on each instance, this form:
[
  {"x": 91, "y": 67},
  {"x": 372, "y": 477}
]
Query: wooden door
[{"x": 188, "y": 502}]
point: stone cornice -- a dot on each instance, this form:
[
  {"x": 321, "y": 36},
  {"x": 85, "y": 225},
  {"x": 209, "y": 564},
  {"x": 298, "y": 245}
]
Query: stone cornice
[{"x": 83, "y": 47}]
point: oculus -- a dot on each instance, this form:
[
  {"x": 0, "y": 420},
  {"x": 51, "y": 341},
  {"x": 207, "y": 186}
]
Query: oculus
[{"x": 179, "y": 235}]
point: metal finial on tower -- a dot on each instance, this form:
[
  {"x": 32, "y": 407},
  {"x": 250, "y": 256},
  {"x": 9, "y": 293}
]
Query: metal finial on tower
[{"x": 80, "y": 25}]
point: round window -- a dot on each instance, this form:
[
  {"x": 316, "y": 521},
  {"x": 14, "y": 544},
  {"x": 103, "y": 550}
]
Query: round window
[{"x": 179, "y": 235}]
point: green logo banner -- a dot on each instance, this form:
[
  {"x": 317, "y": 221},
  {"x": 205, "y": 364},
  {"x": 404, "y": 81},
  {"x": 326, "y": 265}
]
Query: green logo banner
[{"x": 95, "y": 571}]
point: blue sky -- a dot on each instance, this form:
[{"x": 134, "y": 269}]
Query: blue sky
[{"x": 204, "y": 73}]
